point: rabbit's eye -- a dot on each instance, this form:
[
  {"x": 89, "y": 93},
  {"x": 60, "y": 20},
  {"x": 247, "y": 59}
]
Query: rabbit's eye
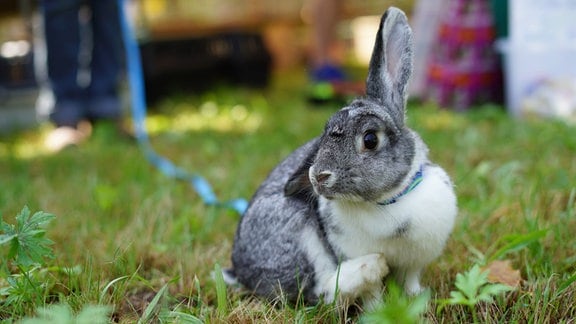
[{"x": 370, "y": 140}]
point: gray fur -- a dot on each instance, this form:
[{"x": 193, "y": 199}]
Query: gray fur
[{"x": 268, "y": 257}]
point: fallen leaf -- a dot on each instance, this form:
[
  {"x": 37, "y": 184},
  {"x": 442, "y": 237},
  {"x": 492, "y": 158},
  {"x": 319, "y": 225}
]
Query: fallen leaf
[{"x": 501, "y": 271}]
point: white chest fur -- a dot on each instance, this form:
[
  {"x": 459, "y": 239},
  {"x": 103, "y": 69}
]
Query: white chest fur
[{"x": 410, "y": 232}]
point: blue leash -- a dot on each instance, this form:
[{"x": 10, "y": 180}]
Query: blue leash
[{"x": 138, "y": 97}]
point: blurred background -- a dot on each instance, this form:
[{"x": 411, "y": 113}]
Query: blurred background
[{"x": 517, "y": 53}]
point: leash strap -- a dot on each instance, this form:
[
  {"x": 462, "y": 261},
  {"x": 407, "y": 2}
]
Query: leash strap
[{"x": 138, "y": 98}]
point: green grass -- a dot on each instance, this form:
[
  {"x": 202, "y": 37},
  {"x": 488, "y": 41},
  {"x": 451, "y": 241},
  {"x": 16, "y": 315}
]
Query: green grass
[{"x": 130, "y": 238}]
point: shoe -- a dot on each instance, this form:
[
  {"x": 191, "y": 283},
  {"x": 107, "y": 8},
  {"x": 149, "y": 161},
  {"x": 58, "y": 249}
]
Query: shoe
[
  {"x": 336, "y": 91},
  {"x": 328, "y": 73},
  {"x": 65, "y": 136},
  {"x": 330, "y": 84}
]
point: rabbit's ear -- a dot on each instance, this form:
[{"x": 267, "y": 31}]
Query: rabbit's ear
[
  {"x": 299, "y": 182},
  {"x": 391, "y": 63}
]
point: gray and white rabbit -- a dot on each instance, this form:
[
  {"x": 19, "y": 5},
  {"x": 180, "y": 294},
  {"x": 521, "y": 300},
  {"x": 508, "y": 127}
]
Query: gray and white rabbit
[{"x": 343, "y": 210}]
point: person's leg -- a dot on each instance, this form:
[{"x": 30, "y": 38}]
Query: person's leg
[
  {"x": 329, "y": 81},
  {"x": 61, "y": 27},
  {"x": 325, "y": 16},
  {"x": 103, "y": 96}
]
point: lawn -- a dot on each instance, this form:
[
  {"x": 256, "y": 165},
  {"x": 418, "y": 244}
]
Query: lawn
[{"x": 144, "y": 245}]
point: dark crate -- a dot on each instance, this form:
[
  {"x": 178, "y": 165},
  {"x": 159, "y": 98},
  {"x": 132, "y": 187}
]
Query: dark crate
[{"x": 195, "y": 64}]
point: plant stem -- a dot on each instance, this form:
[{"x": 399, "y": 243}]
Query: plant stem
[
  {"x": 37, "y": 294},
  {"x": 473, "y": 311}
]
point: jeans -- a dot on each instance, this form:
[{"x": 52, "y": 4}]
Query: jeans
[{"x": 84, "y": 59}]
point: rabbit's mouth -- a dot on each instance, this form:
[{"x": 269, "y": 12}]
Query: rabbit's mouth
[
  {"x": 343, "y": 197},
  {"x": 321, "y": 190},
  {"x": 331, "y": 193},
  {"x": 328, "y": 185}
]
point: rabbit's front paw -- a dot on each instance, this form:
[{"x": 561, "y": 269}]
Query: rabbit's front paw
[
  {"x": 370, "y": 269},
  {"x": 357, "y": 276}
]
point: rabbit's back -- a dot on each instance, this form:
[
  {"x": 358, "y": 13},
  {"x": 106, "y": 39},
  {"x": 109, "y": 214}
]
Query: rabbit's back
[{"x": 267, "y": 253}]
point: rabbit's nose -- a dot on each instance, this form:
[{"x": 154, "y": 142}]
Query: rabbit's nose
[{"x": 324, "y": 178}]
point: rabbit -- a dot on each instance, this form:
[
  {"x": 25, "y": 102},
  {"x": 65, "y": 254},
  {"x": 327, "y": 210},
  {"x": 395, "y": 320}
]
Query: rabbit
[{"x": 349, "y": 207}]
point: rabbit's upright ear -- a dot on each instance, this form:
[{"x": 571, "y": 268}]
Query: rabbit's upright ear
[{"x": 391, "y": 63}]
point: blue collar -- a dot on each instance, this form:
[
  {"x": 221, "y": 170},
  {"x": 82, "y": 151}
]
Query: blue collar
[{"x": 416, "y": 179}]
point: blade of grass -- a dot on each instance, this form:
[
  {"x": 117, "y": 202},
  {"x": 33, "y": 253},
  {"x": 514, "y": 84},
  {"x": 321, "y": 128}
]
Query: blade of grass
[
  {"x": 221, "y": 296},
  {"x": 180, "y": 317},
  {"x": 518, "y": 242},
  {"x": 149, "y": 311},
  {"x": 109, "y": 285},
  {"x": 566, "y": 284}
]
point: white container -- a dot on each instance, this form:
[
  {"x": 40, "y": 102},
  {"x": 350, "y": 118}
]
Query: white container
[
  {"x": 541, "y": 47},
  {"x": 528, "y": 65}
]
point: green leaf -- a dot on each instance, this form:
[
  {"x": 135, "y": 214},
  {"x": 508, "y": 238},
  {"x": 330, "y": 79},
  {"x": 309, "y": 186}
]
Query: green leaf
[
  {"x": 38, "y": 219},
  {"x": 471, "y": 281},
  {"x": 94, "y": 314},
  {"x": 9, "y": 232},
  {"x": 22, "y": 216},
  {"x": 5, "y": 238},
  {"x": 473, "y": 287},
  {"x": 457, "y": 298},
  {"x": 61, "y": 313},
  {"x": 490, "y": 290},
  {"x": 398, "y": 308},
  {"x": 53, "y": 314},
  {"x": 28, "y": 244}
]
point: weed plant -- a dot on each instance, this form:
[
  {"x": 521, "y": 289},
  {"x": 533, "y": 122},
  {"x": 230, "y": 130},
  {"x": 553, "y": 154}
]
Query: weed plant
[{"x": 132, "y": 245}]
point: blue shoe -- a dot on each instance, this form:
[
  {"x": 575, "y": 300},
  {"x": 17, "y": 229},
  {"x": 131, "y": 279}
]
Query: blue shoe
[{"x": 328, "y": 73}]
